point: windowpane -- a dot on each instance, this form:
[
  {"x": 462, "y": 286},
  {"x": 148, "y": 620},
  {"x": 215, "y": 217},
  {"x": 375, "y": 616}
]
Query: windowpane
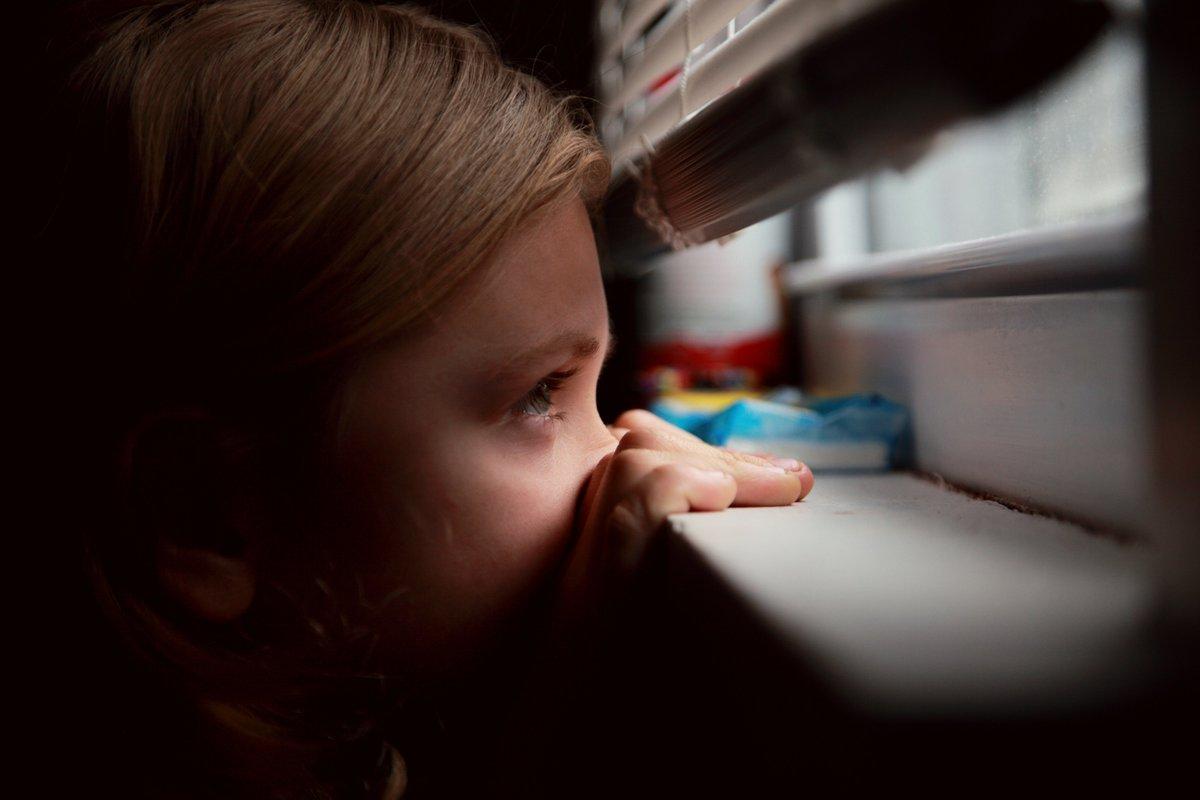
[{"x": 1074, "y": 151}]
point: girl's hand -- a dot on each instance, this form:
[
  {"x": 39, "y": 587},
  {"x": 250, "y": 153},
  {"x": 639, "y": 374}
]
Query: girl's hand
[{"x": 656, "y": 470}]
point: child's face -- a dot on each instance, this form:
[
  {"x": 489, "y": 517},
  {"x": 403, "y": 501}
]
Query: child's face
[{"x": 465, "y": 461}]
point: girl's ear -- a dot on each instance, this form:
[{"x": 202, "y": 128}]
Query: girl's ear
[
  {"x": 213, "y": 587},
  {"x": 192, "y": 495}
]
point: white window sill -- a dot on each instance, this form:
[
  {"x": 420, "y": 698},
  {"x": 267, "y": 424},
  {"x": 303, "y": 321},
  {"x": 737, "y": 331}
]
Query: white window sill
[{"x": 912, "y": 598}]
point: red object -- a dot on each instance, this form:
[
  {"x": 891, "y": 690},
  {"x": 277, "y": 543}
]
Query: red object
[
  {"x": 761, "y": 354},
  {"x": 663, "y": 80}
]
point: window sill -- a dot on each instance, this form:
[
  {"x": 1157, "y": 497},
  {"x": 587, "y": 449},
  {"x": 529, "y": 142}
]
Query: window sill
[{"x": 912, "y": 598}]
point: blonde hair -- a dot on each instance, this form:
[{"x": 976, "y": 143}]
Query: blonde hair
[
  {"x": 259, "y": 192},
  {"x": 343, "y": 165}
]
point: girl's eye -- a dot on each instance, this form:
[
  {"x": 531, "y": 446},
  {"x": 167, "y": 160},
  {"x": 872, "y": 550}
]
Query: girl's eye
[{"x": 539, "y": 401}]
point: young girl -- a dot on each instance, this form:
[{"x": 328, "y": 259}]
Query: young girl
[{"x": 337, "y": 326}]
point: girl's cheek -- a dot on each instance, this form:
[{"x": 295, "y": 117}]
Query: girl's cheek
[
  {"x": 509, "y": 505},
  {"x": 537, "y": 430}
]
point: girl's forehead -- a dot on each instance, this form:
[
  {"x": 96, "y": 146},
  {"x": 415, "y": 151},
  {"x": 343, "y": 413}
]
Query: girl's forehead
[
  {"x": 541, "y": 297},
  {"x": 543, "y": 283}
]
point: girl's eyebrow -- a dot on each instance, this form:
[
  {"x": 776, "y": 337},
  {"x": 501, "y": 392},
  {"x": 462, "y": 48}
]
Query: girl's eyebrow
[{"x": 578, "y": 344}]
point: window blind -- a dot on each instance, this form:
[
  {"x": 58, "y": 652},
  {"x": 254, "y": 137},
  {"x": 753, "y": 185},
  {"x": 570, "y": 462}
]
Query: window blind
[
  {"x": 719, "y": 113},
  {"x": 676, "y": 67},
  {"x": 685, "y": 28}
]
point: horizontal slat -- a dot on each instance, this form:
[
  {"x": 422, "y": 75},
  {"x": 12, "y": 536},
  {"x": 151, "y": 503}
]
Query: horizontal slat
[
  {"x": 670, "y": 46},
  {"x": 1090, "y": 254},
  {"x": 638, "y": 14},
  {"x": 769, "y": 38}
]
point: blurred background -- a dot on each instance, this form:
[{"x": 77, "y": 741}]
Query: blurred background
[{"x": 940, "y": 250}]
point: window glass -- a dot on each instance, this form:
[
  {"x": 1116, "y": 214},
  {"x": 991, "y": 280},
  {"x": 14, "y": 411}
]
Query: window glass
[{"x": 1073, "y": 151}]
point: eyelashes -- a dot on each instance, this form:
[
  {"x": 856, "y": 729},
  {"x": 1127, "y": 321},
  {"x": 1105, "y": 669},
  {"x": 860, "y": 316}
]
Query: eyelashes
[{"x": 539, "y": 401}]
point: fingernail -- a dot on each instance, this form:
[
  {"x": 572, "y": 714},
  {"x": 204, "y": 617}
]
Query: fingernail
[{"x": 787, "y": 464}]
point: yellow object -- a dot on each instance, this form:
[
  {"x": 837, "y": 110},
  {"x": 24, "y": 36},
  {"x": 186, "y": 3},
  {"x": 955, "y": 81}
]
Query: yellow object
[{"x": 709, "y": 399}]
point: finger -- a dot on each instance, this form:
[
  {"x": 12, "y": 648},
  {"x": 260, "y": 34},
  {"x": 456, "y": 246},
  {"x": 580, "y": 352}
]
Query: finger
[
  {"x": 765, "y": 485},
  {"x": 617, "y": 432},
  {"x": 758, "y": 454},
  {"x": 807, "y": 481},
  {"x": 759, "y": 482},
  {"x": 670, "y": 437},
  {"x": 672, "y": 488},
  {"x": 791, "y": 464},
  {"x": 596, "y": 483},
  {"x": 641, "y": 419}
]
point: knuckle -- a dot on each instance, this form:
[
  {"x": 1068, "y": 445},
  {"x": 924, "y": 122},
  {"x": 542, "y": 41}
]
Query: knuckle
[
  {"x": 629, "y": 463},
  {"x": 628, "y": 517},
  {"x": 665, "y": 476},
  {"x": 630, "y": 529},
  {"x": 641, "y": 439}
]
